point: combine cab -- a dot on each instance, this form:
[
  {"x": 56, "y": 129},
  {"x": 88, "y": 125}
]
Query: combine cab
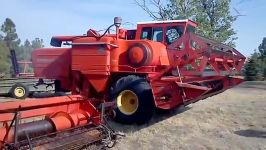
[{"x": 161, "y": 64}]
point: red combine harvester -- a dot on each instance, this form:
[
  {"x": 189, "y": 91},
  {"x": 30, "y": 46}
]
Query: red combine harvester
[{"x": 160, "y": 65}]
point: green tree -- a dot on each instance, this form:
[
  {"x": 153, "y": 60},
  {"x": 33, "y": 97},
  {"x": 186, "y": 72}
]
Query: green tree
[
  {"x": 215, "y": 20},
  {"x": 255, "y": 55},
  {"x": 4, "y": 60},
  {"x": 262, "y": 57},
  {"x": 168, "y": 9},
  {"x": 262, "y": 50},
  {"x": 25, "y": 49},
  {"x": 10, "y": 36},
  {"x": 28, "y": 47},
  {"x": 9, "y": 40},
  {"x": 213, "y": 16},
  {"x": 37, "y": 43},
  {"x": 182, "y": 9},
  {"x": 251, "y": 71}
]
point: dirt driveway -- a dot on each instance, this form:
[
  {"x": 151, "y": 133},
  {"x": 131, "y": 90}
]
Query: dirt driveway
[{"x": 235, "y": 119}]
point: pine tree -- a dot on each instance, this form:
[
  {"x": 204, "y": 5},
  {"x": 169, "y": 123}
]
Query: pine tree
[
  {"x": 10, "y": 40},
  {"x": 262, "y": 57},
  {"x": 251, "y": 71},
  {"x": 10, "y": 36},
  {"x": 37, "y": 43},
  {"x": 262, "y": 50}
]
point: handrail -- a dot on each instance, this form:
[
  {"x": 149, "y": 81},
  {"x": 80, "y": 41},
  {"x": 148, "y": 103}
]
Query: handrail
[{"x": 92, "y": 44}]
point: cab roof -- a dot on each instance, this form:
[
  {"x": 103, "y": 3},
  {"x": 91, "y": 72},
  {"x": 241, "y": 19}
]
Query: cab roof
[{"x": 168, "y": 21}]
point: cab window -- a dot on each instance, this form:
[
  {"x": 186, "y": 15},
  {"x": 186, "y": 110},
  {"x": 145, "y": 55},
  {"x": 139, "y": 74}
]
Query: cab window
[
  {"x": 146, "y": 33},
  {"x": 155, "y": 34},
  {"x": 173, "y": 33}
]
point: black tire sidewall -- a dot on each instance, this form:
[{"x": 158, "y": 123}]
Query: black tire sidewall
[{"x": 144, "y": 110}]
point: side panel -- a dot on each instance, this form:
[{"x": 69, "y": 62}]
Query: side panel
[
  {"x": 93, "y": 61},
  {"x": 53, "y": 63},
  {"x": 171, "y": 92}
]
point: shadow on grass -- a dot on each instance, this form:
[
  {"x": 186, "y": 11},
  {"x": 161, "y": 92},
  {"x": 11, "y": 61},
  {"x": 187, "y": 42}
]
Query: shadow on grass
[
  {"x": 158, "y": 116},
  {"x": 251, "y": 133}
]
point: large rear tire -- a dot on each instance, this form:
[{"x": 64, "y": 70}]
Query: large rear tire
[{"x": 134, "y": 101}]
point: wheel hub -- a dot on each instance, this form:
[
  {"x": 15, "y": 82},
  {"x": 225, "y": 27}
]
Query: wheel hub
[
  {"x": 19, "y": 91},
  {"x": 127, "y": 102}
]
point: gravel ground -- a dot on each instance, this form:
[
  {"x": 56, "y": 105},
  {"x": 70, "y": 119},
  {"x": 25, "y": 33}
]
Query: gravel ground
[{"x": 235, "y": 119}]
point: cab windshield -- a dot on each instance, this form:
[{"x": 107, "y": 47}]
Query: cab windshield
[
  {"x": 172, "y": 34},
  {"x": 155, "y": 34}
]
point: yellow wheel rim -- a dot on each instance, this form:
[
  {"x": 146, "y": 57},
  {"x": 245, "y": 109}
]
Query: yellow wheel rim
[
  {"x": 127, "y": 102},
  {"x": 19, "y": 91}
]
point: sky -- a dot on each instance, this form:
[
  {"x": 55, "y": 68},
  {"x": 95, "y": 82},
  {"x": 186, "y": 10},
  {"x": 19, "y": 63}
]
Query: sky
[{"x": 47, "y": 18}]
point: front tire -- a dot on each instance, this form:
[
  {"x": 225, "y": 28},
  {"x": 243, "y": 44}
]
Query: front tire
[
  {"x": 19, "y": 91},
  {"x": 133, "y": 98}
]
